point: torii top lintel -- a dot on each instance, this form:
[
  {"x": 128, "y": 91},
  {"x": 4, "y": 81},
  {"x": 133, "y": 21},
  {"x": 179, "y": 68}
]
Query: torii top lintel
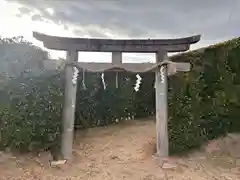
[{"x": 116, "y": 45}]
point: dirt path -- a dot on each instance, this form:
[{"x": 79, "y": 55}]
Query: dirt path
[{"x": 121, "y": 152}]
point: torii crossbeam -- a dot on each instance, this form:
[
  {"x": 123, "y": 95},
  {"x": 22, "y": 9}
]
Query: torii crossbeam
[{"x": 162, "y": 68}]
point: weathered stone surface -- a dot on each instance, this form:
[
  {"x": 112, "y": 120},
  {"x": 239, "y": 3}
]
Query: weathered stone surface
[
  {"x": 237, "y": 162},
  {"x": 169, "y": 165}
]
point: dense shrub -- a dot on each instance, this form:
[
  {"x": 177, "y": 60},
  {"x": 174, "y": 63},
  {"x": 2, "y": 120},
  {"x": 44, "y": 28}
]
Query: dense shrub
[
  {"x": 19, "y": 57},
  {"x": 31, "y": 119},
  {"x": 204, "y": 103},
  {"x": 96, "y": 106},
  {"x": 29, "y": 109}
]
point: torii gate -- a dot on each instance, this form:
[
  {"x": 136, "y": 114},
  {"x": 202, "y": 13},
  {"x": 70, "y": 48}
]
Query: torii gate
[{"x": 162, "y": 68}]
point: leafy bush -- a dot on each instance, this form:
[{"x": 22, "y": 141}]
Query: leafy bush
[
  {"x": 19, "y": 57},
  {"x": 32, "y": 118},
  {"x": 204, "y": 102}
]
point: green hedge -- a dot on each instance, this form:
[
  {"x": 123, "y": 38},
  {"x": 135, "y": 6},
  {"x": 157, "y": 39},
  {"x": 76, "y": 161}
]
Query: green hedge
[
  {"x": 31, "y": 119},
  {"x": 204, "y": 103},
  {"x": 31, "y": 115}
]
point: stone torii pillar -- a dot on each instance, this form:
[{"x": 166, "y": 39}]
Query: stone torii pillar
[{"x": 162, "y": 68}]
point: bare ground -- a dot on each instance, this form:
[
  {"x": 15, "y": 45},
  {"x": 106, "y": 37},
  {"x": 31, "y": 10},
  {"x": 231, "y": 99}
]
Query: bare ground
[{"x": 125, "y": 151}]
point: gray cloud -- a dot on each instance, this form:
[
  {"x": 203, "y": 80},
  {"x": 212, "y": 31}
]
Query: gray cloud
[
  {"x": 37, "y": 17},
  {"x": 216, "y": 20},
  {"x": 24, "y": 10}
]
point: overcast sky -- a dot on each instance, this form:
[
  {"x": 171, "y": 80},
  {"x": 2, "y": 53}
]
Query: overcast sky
[{"x": 215, "y": 20}]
